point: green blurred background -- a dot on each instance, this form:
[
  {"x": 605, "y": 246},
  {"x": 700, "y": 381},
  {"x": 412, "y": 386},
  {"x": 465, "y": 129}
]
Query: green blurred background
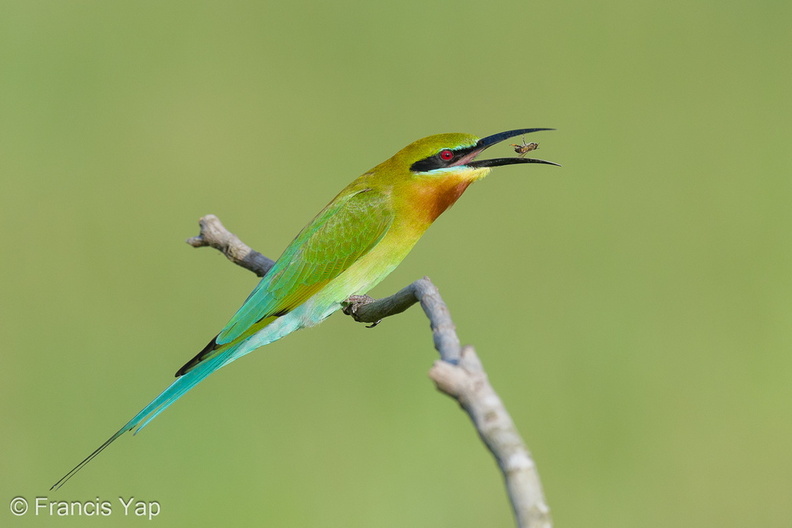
[{"x": 632, "y": 308}]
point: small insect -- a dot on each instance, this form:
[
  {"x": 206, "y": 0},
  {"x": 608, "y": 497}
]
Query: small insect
[{"x": 525, "y": 148}]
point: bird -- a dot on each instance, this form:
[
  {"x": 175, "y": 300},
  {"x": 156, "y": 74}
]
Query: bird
[{"x": 349, "y": 247}]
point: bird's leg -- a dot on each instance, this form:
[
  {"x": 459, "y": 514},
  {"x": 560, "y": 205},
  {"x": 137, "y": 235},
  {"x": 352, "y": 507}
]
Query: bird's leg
[{"x": 354, "y": 302}]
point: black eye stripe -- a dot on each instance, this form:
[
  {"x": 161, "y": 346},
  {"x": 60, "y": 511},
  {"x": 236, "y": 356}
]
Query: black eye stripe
[
  {"x": 437, "y": 162},
  {"x": 428, "y": 164}
]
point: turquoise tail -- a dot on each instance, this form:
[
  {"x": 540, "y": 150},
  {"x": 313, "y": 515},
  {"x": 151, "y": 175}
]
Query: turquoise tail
[{"x": 176, "y": 390}]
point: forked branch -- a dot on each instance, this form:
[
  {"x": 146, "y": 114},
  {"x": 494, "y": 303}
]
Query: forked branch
[{"x": 459, "y": 372}]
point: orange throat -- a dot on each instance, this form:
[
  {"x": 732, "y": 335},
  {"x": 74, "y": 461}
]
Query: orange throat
[{"x": 435, "y": 199}]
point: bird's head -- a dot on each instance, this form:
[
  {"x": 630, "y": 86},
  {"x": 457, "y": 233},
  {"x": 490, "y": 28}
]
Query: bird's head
[
  {"x": 433, "y": 172},
  {"x": 456, "y": 154}
]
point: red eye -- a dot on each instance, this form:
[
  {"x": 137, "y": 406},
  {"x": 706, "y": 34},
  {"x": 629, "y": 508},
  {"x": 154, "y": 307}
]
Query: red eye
[{"x": 446, "y": 155}]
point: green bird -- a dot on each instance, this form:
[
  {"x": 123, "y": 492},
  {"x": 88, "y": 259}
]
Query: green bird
[{"x": 349, "y": 247}]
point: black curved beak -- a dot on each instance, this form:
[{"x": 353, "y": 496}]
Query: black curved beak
[{"x": 488, "y": 141}]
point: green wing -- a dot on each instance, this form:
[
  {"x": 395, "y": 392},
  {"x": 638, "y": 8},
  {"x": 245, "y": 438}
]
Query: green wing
[{"x": 342, "y": 233}]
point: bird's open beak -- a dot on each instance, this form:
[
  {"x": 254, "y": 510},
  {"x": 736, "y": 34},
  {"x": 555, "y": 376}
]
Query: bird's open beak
[{"x": 484, "y": 143}]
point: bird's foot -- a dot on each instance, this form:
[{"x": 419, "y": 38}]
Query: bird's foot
[{"x": 354, "y": 302}]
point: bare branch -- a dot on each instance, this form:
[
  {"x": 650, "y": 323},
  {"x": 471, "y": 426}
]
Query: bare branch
[
  {"x": 468, "y": 383},
  {"x": 214, "y": 234},
  {"x": 364, "y": 309},
  {"x": 459, "y": 373}
]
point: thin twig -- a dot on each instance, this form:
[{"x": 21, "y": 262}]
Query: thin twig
[
  {"x": 459, "y": 372},
  {"x": 364, "y": 309},
  {"x": 214, "y": 234}
]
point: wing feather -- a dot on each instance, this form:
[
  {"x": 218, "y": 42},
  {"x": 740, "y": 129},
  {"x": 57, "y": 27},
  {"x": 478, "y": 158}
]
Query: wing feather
[{"x": 343, "y": 232}]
